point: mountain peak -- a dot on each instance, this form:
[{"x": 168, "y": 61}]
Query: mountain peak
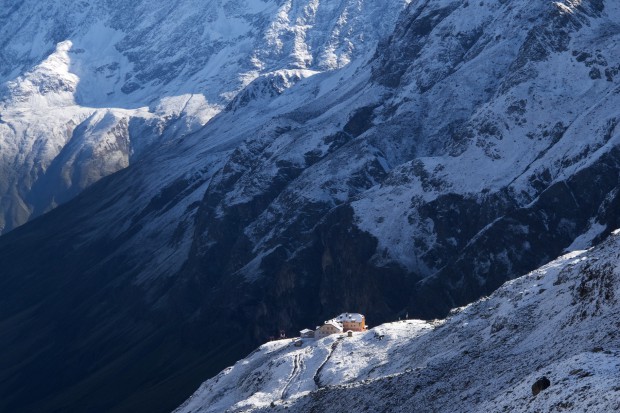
[{"x": 174, "y": 67}]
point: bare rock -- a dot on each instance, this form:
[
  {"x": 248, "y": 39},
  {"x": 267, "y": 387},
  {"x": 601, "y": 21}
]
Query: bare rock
[{"x": 540, "y": 385}]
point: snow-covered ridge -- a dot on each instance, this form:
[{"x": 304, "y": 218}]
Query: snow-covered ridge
[
  {"x": 559, "y": 322},
  {"x": 161, "y": 70}
]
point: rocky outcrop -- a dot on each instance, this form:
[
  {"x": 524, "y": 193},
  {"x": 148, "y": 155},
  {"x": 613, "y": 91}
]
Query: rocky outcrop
[{"x": 539, "y": 385}]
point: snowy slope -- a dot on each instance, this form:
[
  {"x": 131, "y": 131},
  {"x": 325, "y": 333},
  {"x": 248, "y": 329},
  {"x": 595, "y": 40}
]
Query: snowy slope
[
  {"x": 460, "y": 142},
  {"x": 559, "y": 321},
  {"x": 85, "y": 89},
  {"x": 518, "y": 109}
]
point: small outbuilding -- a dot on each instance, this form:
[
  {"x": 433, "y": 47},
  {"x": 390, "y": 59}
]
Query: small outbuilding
[
  {"x": 306, "y": 333},
  {"x": 349, "y": 333}
]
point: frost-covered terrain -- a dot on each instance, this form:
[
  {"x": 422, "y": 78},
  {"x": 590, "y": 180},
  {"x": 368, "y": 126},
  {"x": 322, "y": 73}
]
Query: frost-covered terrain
[
  {"x": 475, "y": 143},
  {"x": 86, "y": 87},
  {"x": 559, "y": 322}
]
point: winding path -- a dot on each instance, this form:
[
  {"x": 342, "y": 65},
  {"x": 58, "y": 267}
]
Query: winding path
[
  {"x": 317, "y": 378},
  {"x": 298, "y": 367}
]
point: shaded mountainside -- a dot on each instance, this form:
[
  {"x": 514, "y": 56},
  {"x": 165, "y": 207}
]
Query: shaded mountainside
[
  {"x": 475, "y": 144},
  {"x": 556, "y": 327},
  {"x": 86, "y": 89}
]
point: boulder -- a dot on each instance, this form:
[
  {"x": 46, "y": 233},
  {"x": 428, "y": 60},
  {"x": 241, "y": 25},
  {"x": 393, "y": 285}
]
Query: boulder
[{"x": 540, "y": 385}]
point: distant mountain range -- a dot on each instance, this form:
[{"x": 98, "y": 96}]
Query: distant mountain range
[
  {"x": 228, "y": 169},
  {"x": 87, "y": 89}
]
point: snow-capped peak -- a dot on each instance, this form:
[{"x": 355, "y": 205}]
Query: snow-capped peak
[{"x": 172, "y": 68}]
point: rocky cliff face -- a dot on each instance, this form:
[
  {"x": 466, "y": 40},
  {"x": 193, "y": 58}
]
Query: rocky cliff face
[{"x": 475, "y": 143}]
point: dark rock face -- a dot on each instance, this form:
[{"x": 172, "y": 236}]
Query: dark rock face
[
  {"x": 540, "y": 385},
  {"x": 523, "y": 236},
  {"x": 417, "y": 26}
]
